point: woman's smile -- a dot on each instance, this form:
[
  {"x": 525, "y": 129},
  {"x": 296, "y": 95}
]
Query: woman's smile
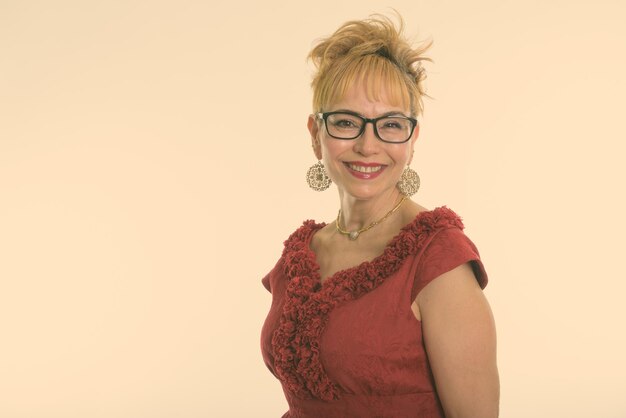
[{"x": 365, "y": 171}]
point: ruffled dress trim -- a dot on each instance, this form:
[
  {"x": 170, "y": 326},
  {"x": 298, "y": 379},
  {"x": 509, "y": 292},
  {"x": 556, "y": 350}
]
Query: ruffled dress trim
[{"x": 308, "y": 302}]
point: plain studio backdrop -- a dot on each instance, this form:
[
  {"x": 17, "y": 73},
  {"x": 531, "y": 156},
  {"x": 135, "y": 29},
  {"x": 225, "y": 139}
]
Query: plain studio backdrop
[{"x": 152, "y": 162}]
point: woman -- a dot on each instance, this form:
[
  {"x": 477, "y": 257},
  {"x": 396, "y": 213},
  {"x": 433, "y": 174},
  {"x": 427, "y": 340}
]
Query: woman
[{"x": 379, "y": 313}]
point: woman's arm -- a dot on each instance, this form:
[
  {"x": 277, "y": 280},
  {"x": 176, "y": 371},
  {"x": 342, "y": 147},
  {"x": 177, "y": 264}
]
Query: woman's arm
[{"x": 460, "y": 338}]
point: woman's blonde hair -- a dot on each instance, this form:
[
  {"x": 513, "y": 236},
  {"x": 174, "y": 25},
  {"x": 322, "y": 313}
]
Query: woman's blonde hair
[{"x": 373, "y": 52}]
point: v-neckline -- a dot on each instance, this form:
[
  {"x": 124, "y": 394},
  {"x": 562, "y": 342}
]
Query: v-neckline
[{"x": 364, "y": 264}]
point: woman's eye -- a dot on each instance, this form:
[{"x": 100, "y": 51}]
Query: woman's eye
[
  {"x": 345, "y": 123},
  {"x": 392, "y": 125}
]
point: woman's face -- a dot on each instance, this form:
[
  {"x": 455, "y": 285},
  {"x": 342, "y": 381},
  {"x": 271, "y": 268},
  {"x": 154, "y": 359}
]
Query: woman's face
[{"x": 365, "y": 167}]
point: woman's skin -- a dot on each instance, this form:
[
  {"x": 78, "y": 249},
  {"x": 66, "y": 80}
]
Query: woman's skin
[{"x": 457, "y": 323}]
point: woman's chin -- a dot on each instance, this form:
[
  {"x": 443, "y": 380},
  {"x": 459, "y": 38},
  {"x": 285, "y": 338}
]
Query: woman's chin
[{"x": 365, "y": 193}]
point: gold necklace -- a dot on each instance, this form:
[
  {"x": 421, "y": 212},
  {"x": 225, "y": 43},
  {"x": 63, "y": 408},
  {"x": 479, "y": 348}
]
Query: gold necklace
[{"x": 353, "y": 235}]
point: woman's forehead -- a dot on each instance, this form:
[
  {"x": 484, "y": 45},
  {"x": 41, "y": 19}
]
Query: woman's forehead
[{"x": 373, "y": 95}]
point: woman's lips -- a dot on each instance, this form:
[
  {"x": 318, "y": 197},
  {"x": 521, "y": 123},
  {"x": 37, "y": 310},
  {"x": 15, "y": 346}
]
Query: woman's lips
[{"x": 365, "y": 171}]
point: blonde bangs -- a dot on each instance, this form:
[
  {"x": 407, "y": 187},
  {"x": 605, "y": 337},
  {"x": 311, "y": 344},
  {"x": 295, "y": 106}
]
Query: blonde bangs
[{"x": 382, "y": 80}]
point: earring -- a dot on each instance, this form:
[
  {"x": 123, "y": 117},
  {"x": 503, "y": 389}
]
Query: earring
[
  {"x": 317, "y": 177},
  {"x": 409, "y": 182}
]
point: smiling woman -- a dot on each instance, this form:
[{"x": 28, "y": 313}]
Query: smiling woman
[{"x": 379, "y": 313}]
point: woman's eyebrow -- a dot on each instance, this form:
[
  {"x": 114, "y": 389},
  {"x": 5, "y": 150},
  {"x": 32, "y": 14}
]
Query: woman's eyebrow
[
  {"x": 390, "y": 113},
  {"x": 393, "y": 113}
]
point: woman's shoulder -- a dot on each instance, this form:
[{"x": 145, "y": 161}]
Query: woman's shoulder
[
  {"x": 300, "y": 238},
  {"x": 420, "y": 219}
]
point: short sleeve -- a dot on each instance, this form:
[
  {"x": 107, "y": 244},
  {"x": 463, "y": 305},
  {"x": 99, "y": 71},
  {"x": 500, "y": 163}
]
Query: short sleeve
[
  {"x": 266, "y": 282},
  {"x": 270, "y": 279},
  {"x": 449, "y": 248}
]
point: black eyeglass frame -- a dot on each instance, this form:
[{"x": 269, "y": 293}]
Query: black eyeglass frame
[{"x": 324, "y": 116}]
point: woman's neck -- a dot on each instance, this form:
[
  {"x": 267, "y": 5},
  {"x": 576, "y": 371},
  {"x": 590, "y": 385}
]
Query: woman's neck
[{"x": 359, "y": 213}]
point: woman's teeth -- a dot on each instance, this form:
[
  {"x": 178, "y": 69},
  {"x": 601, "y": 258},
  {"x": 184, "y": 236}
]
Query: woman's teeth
[{"x": 363, "y": 169}]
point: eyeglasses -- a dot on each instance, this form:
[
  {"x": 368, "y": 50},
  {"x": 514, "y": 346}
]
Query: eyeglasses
[{"x": 350, "y": 125}]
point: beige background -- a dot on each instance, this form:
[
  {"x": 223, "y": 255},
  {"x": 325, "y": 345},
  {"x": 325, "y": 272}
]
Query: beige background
[{"x": 152, "y": 161}]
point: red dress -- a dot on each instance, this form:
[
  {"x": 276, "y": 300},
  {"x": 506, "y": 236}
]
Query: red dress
[{"x": 351, "y": 347}]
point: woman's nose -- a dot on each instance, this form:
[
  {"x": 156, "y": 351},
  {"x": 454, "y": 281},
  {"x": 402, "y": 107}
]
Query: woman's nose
[{"x": 367, "y": 143}]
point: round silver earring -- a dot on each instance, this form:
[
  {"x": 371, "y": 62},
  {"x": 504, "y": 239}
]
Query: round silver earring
[
  {"x": 409, "y": 182},
  {"x": 317, "y": 177}
]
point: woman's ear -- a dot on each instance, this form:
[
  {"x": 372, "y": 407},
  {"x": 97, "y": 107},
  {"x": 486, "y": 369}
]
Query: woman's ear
[
  {"x": 414, "y": 136},
  {"x": 413, "y": 139},
  {"x": 314, "y": 131},
  {"x": 416, "y": 133}
]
